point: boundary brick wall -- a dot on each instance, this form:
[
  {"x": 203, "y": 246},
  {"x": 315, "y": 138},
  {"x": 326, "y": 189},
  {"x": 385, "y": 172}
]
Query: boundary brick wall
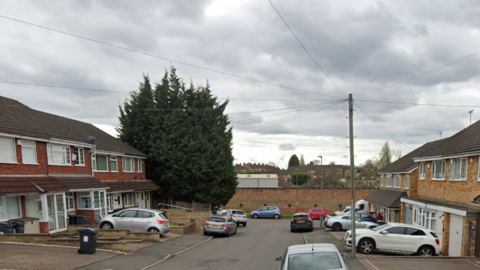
[{"x": 249, "y": 199}]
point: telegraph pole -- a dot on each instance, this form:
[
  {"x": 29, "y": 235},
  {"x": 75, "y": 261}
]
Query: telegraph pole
[{"x": 352, "y": 167}]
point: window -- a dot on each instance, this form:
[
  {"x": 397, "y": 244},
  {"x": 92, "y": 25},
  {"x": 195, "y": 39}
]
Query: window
[
  {"x": 100, "y": 163},
  {"x": 7, "y": 150},
  {"x": 426, "y": 219},
  {"x": 438, "y": 171},
  {"x": 113, "y": 164},
  {"x": 129, "y": 199},
  {"x": 58, "y": 154},
  {"x": 458, "y": 169},
  {"x": 407, "y": 181},
  {"x": 129, "y": 213},
  {"x": 397, "y": 181},
  {"x": 395, "y": 230},
  {"x": 422, "y": 170},
  {"x": 128, "y": 165},
  {"x": 84, "y": 200},
  {"x": 79, "y": 156},
  {"x": 10, "y": 208},
  {"x": 145, "y": 214},
  {"x": 139, "y": 165},
  {"x": 69, "y": 201},
  {"x": 414, "y": 232},
  {"x": 389, "y": 180},
  {"x": 29, "y": 152}
]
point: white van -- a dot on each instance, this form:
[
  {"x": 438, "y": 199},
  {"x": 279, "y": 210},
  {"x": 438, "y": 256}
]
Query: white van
[{"x": 360, "y": 207}]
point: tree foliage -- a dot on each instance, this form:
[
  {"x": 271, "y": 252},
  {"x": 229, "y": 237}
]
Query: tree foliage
[
  {"x": 293, "y": 161},
  {"x": 185, "y": 134},
  {"x": 302, "y": 178},
  {"x": 385, "y": 156}
]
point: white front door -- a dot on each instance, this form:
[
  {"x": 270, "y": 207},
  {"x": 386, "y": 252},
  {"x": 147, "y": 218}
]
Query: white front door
[
  {"x": 455, "y": 239},
  {"x": 117, "y": 200},
  {"x": 140, "y": 199}
]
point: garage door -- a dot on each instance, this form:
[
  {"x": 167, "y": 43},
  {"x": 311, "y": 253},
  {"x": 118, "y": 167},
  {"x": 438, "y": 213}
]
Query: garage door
[{"x": 455, "y": 239}]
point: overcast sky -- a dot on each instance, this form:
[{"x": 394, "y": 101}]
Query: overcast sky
[{"x": 393, "y": 56}]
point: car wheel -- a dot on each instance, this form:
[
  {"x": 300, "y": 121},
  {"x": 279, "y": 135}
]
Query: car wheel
[
  {"x": 205, "y": 233},
  {"x": 255, "y": 216},
  {"x": 425, "y": 252},
  {"x": 153, "y": 230},
  {"x": 337, "y": 227},
  {"x": 106, "y": 226},
  {"x": 229, "y": 233},
  {"x": 276, "y": 216},
  {"x": 245, "y": 224},
  {"x": 366, "y": 246},
  {"x": 292, "y": 230}
]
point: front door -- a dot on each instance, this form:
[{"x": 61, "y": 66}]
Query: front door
[
  {"x": 455, "y": 242},
  {"x": 140, "y": 199},
  {"x": 117, "y": 200}
]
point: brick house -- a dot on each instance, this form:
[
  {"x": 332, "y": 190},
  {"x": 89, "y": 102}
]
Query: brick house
[
  {"x": 52, "y": 167},
  {"x": 447, "y": 190}
]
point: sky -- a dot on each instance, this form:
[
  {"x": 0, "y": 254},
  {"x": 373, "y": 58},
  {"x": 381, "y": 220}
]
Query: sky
[{"x": 285, "y": 67}]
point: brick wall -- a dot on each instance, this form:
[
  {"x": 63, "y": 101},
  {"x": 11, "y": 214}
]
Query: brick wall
[
  {"x": 44, "y": 227},
  {"x": 250, "y": 199}
]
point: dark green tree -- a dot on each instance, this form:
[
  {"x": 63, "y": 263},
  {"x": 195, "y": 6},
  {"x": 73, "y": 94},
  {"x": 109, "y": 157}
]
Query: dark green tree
[
  {"x": 190, "y": 142},
  {"x": 294, "y": 161},
  {"x": 302, "y": 178}
]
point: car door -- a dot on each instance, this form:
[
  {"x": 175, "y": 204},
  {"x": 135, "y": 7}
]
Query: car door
[
  {"x": 271, "y": 211},
  {"x": 262, "y": 212},
  {"x": 144, "y": 221},
  {"x": 126, "y": 220},
  {"x": 346, "y": 222},
  {"x": 391, "y": 239},
  {"x": 413, "y": 239}
]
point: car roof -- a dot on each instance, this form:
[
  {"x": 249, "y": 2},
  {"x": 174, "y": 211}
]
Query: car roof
[
  {"x": 407, "y": 225},
  {"x": 323, "y": 247},
  {"x": 236, "y": 210},
  {"x": 145, "y": 209}
]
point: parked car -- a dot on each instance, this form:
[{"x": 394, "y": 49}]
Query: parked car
[
  {"x": 312, "y": 256},
  {"x": 315, "y": 213},
  {"x": 345, "y": 223},
  {"x": 396, "y": 237},
  {"x": 219, "y": 211},
  {"x": 366, "y": 217},
  {"x": 267, "y": 212},
  {"x": 216, "y": 224},
  {"x": 301, "y": 221},
  {"x": 238, "y": 216},
  {"x": 137, "y": 219},
  {"x": 361, "y": 206}
]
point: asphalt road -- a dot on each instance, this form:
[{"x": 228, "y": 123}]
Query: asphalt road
[{"x": 253, "y": 247}]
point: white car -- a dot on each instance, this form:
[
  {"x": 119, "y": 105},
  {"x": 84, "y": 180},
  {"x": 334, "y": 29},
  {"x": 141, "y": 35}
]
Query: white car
[
  {"x": 345, "y": 223},
  {"x": 312, "y": 256},
  {"x": 220, "y": 212},
  {"x": 343, "y": 212},
  {"x": 396, "y": 237}
]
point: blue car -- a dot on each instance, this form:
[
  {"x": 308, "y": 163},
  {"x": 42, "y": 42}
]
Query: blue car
[
  {"x": 267, "y": 212},
  {"x": 366, "y": 217}
]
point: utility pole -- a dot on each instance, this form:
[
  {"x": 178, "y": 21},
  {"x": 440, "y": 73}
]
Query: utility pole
[
  {"x": 321, "y": 191},
  {"x": 352, "y": 166},
  {"x": 296, "y": 203}
]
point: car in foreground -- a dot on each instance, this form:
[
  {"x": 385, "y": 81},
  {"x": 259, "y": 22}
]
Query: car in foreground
[
  {"x": 301, "y": 221},
  {"x": 343, "y": 223},
  {"x": 238, "y": 216},
  {"x": 216, "y": 224},
  {"x": 137, "y": 220},
  {"x": 267, "y": 212},
  {"x": 312, "y": 256},
  {"x": 397, "y": 238},
  {"x": 316, "y": 213}
]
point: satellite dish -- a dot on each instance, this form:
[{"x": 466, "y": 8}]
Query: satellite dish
[{"x": 92, "y": 140}]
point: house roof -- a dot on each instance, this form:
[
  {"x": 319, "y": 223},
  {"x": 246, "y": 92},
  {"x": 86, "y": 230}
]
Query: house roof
[
  {"x": 465, "y": 141},
  {"x": 19, "y": 119},
  {"x": 406, "y": 163},
  {"x": 131, "y": 185},
  {"x": 80, "y": 182},
  {"x": 389, "y": 198},
  {"x": 12, "y": 185}
]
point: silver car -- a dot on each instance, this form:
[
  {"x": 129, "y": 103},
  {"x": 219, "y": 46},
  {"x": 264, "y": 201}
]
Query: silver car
[
  {"x": 312, "y": 256},
  {"x": 138, "y": 220},
  {"x": 238, "y": 216},
  {"x": 216, "y": 224},
  {"x": 345, "y": 223}
]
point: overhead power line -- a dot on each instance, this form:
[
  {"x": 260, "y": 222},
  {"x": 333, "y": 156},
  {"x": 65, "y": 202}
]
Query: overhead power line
[
  {"x": 421, "y": 74},
  {"x": 160, "y": 57},
  {"x": 301, "y": 44},
  {"x": 418, "y": 104},
  {"x": 64, "y": 87}
]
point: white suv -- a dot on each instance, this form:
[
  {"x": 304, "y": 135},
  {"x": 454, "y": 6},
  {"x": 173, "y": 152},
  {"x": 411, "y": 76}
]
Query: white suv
[{"x": 396, "y": 237}]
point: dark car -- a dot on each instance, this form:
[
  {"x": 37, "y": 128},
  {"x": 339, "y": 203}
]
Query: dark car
[{"x": 301, "y": 221}]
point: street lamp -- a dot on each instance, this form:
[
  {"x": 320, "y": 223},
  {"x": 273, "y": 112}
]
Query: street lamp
[
  {"x": 296, "y": 203},
  {"x": 321, "y": 182}
]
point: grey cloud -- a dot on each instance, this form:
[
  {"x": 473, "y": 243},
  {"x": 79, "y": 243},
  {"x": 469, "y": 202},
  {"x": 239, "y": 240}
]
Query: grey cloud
[{"x": 287, "y": 147}]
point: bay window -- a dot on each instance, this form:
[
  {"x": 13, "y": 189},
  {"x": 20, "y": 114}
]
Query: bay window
[
  {"x": 58, "y": 154},
  {"x": 10, "y": 208},
  {"x": 93, "y": 200},
  {"x": 458, "y": 169},
  {"x": 7, "y": 150},
  {"x": 29, "y": 152},
  {"x": 69, "y": 201},
  {"x": 438, "y": 170}
]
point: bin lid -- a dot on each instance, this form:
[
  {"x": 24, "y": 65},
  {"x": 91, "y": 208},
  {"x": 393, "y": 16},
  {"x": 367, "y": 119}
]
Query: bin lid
[
  {"x": 24, "y": 219},
  {"x": 88, "y": 230}
]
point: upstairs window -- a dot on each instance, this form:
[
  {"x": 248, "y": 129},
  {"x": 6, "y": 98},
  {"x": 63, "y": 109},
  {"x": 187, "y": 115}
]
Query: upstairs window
[
  {"x": 407, "y": 181},
  {"x": 139, "y": 165},
  {"x": 100, "y": 163},
  {"x": 422, "y": 170},
  {"x": 79, "y": 156},
  {"x": 128, "y": 165},
  {"x": 438, "y": 170},
  {"x": 58, "y": 154},
  {"x": 29, "y": 152},
  {"x": 7, "y": 150},
  {"x": 113, "y": 164},
  {"x": 397, "y": 181},
  {"x": 458, "y": 169},
  {"x": 389, "y": 180}
]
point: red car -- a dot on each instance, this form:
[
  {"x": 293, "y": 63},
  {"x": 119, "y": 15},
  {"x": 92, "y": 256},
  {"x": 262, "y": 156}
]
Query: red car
[{"x": 316, "y": 212}]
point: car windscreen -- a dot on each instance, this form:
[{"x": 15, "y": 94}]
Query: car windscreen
[
  {"x": 314, "y": 260},
  {"x": 238, "y": 213},
  {"x": 216, "y": 219},
  {"x": 301, "y": 217},
  {"x": 381, "y": 228}
]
